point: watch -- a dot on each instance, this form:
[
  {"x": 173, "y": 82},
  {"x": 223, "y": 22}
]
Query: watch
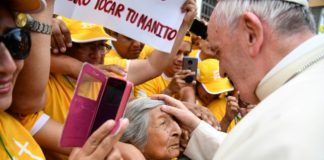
[{"x": 26, "y": 21}]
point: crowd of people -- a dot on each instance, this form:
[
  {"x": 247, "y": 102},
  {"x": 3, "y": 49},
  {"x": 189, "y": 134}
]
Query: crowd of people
[{"x": 255, "y": 94}]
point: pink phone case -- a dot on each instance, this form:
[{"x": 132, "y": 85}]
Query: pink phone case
[
  {"x": 83, "y": 110},
  {"x": 122, "y": 106}
]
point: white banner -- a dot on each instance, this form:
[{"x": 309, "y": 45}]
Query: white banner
[{"x": 153, "y": 22}]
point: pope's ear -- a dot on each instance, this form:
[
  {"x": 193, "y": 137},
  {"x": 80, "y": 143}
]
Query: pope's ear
[{"x": 252, "y": 29}]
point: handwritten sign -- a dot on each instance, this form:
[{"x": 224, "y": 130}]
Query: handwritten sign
[{"x": 153, "y": 22}]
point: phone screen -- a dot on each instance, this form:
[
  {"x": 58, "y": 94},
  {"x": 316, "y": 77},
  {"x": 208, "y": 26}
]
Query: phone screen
[
  {"x": 110, "y": 102},
  {"x": 190, "y": 63}
]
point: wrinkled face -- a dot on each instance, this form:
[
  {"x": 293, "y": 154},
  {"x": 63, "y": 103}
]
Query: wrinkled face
[
  {"x": 128, "y": 48},
  {"x": 92, "y": 52},
  {"x": 204, "y": 96},
  {"x": 228, "y": 49},
  {"x": 163, "y": 136},
  {"x": 176, "y": 65},
  {"x": 9, "y": 67}
]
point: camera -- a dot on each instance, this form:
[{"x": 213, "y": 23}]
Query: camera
[{"x": 190, "y": 63}]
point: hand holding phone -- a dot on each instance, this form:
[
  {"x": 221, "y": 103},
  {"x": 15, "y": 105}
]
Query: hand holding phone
[
  {"x": 96, "y": 99},
  {"x": 190, "y": 63}
]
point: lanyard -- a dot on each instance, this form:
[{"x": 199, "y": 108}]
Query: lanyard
[{"x": 5, "y": 148}]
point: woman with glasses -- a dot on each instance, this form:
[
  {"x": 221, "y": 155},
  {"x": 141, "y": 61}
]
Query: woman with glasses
[{"x": 17, "y": 45}]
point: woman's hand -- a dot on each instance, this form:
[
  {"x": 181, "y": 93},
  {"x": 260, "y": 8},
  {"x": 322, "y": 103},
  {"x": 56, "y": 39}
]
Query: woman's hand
[{"x": 101, "y": 144}]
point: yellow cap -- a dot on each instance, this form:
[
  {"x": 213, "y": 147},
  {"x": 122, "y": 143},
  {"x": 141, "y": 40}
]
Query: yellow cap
[
  {"x": 27, "y": 5},
  {"x": 209, "y": 77},
  {"x": 85, "y": 32},
  {"x": 187, "y": 39}
]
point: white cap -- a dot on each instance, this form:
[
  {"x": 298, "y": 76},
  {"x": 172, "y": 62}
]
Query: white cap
[{"x": 302, "y": 2}]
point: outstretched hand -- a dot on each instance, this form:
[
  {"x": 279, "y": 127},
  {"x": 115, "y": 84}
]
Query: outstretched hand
[
  {"x": 101, "y": 144},
  {"x": 176, "y": 108}
]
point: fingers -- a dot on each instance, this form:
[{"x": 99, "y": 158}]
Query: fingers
[
  {"x": 114, "y": 154},
  {"x": 96, "y": 138},
  {"x": 169, "y": 100},
  {"x": 190, "y": 8},
  {"x": 61, "y": 37},
  {"x": 66, "y": 33},
  {"x": 113, "y": 69},
  {"x": 187, "y": 119},
  {"x": 102, "y": 150}
]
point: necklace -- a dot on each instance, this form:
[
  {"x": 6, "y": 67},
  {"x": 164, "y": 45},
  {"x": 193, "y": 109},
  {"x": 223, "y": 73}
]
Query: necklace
[{"x": 5, "y": 148}]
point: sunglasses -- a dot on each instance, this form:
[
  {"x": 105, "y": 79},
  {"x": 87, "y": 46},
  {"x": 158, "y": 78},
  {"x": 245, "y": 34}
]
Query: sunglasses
[{"x": 18, "y": 42}]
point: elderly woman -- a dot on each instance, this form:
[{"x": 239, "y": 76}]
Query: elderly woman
[{"x": 152, "y": 131}]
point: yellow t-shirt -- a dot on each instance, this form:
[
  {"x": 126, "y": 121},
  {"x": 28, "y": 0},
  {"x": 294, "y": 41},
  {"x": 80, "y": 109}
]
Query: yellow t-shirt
[
  {"x": 147, "y": 50},
  {"x": 59, "y": 95},
  {"x": 17, "y": 140},
  {"x": 195, "y": 53},
  {"x": 218, "y": 108},
  {"x": 153, "y": 86},
  {"x": 34, "y": 122},
  {"x": 112, "y": 57},
  {"x": 60, "y": 90}
]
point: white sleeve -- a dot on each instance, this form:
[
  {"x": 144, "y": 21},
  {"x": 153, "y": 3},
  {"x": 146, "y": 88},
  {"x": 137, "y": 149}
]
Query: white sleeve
[
  {"x": 204, "y": 142},
  {"x": 41, "y": 121}
]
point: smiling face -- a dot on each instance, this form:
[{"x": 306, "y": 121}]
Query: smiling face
[
  {"x": 92, "y": 52},
  {"x": 230, "y": 47},
  {"x": 163, "y": 136},
  {"x": 9, "y": 68},
  {"x": 176, "y": 65}
]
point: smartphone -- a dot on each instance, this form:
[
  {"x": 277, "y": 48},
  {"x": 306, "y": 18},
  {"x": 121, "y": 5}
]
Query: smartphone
[
  {"x": 96, "y": 99},
  {"x": 113, "y": 102},
  {"x": 199, "y": 28},
  {"x": 190, "y": 63}
]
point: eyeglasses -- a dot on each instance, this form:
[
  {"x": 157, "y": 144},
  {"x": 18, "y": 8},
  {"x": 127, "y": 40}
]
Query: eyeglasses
[
  {"x": 18, "y": 42},
  {"x": 90, "y": 47}
]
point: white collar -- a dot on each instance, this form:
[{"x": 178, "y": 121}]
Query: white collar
[
  {"x": 301, "y": 50},
  {"x": 301, "y": 58}
]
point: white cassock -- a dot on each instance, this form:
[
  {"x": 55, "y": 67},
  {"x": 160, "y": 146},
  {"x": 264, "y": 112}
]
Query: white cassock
[{"x": 288, "y": 123}]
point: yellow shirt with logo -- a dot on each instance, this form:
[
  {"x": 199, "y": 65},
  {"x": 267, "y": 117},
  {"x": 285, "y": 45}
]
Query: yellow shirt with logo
[
  {"x": 17, "y": 140},
  {"x": 153, "y": 86}
]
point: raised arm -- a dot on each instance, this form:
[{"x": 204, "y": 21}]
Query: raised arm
[
  {"x": 29, "y": 92},
  {"x": 143, "y": 70}
]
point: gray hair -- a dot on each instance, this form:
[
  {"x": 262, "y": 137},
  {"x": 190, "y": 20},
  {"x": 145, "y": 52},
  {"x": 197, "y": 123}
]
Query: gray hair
[
  {"x": 286, "y": 18},
  {"x": 137, "y": 111}
]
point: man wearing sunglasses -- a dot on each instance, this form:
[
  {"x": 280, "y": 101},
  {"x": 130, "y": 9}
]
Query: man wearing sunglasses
[{"x": 16, "y": 46}]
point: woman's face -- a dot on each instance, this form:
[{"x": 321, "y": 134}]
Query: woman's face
[
  {"x": 9, "y": 67},
  {"x": 163, "y": 136}
]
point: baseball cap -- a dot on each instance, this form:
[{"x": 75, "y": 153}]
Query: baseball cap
[
  {"x": 85, "y": 32},
  {"x": 27, "y": 6},
  {"x": 302, "y": 2},
  {"x": 209, "y": 77}
]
